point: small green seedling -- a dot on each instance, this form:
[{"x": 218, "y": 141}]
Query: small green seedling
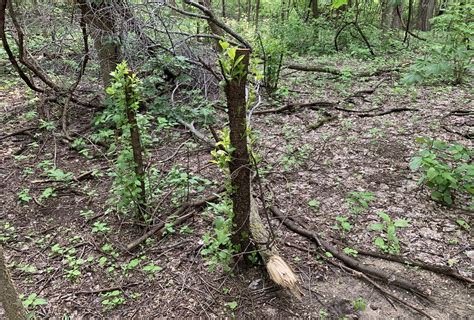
[{"x": 388, "y": 227}]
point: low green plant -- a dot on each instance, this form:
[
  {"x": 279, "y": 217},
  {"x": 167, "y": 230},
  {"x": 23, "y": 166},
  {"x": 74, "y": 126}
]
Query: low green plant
[
  {"x": 359, "y": 304},
  {"x": 359, "y": 201},
  {"x": 112, "y": 299},
  {"x": 446, "y": 169},
  {"x": 351, "y": 252},
  {"x": 388, "y": 228},
  {"x": 343, "y": 224},
  {"x": 463, "y": 224},
  {"x": 218, "y": 248},
  {"x": 100, "y": 227},
  {"x": 449, "y": 57},
  {"x": 47, "y": 193},
  {"x": 24, "y": 195},
  {"x": 295, "y": 156},
  {"x": 314, "y": 204},
  {"x": 31, "y": 303}
]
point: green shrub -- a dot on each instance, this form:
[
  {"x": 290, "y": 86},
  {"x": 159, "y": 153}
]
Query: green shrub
[{"x": 446, "y": 169}]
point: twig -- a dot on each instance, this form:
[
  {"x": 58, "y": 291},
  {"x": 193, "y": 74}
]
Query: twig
[{"x": 159, "y": 228}]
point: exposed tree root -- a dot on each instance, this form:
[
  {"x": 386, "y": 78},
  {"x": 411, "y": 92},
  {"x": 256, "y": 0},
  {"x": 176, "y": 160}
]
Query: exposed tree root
[
  {"x": 433, "y": 268},
  {"x": 349, "y": 261},
  {"x": 160, "y": 228}
]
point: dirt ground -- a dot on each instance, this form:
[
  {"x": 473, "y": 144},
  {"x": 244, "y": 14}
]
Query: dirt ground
[{"x": 349, "y": 153}]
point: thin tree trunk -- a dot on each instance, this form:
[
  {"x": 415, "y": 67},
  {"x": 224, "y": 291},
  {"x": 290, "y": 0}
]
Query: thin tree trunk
[
  {"x": 137, "y": 148},
  {"x": 315, "y": 8},
  {"x": 396, "y": 19},
  {"x": 14, "y": 309},
  {"x": 215, "y": 29},
  {"x": 106, "y": 41},
  {"x": 223, "y": 8},
  {"x": 239, "y": 165},
  {"x": 249, "y": 10},
  {"x": 257, "y": 13}
]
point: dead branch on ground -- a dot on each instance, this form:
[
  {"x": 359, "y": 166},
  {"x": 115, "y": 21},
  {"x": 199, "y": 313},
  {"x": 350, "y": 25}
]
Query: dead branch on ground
[{"x": 347, "y": 260}]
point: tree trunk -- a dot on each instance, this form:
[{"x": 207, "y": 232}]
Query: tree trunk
[
  {"x": 137, "y": 148},
  {"x": 257, "y": 13},
  {"x": 215, "y": 29},
  {"x": 314, "y": 8},
  {"x": 14, "y": 309},
  {"x": 396, "y": 19},
  {"x": 426, "y": 11},
  {"x": 101, "y": 20},
  {"x": 223, "y": 8},
  {"x": 249, "y": 10},
  {"x": 239, "y": 165},
  {"x": 239, "y": 10}
]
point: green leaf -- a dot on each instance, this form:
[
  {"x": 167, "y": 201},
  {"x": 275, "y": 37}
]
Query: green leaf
[
  {"x": 380, "y": 242},
  {"x": 415, "y": 163},
  {"x": 384, "y": 216},
  {"x": 376, "y": 227},
  {"x": 401, "y": 223},
  {"x": 336, "y": 4}
]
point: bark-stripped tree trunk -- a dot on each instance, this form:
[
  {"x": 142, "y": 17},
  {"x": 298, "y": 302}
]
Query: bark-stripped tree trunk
[
  {"x": 426, "y": 11},
  {"x": 14, "y": 309},
  {"x": 99, "y": 16},
  {"x": 240, "y": 164}
]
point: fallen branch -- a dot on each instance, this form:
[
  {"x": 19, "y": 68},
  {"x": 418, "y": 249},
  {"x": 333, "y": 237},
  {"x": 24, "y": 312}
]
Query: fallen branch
[
  {"x": 108, "y": 289},
  {"x": 394, "y": 110},
  {"x": 160, "y": 228},
  {"x": 337, "y": 72},
  {"x": 321, "y": 69},
  {"x": 366, "y": 278},
  {"x": 349, "y": 261},
  {"x": 199, "y": 135},
  {"x": 19, "y": 132},
  {"x": 433, "y": 268},
  {"x": 385, "y": 292},
  {"x": 291, "y": 106}
]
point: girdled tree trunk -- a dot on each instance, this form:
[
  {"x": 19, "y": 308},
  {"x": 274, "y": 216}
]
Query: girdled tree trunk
[
  {"x": 99, "y": 16},
  {"x": 14, "y": 309},
  {"x": 239, "y": 165}
]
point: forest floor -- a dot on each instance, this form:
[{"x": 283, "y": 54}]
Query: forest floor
[{"x": 67, "y": 249}]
